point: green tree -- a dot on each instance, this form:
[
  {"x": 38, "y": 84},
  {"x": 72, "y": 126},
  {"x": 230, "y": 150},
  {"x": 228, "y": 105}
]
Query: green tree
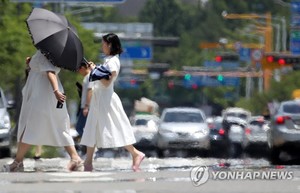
[{"x": 16, "y": 45}]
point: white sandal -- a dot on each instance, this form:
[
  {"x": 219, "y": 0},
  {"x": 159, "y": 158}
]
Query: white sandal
[
  {"x": 76, "y": 165},
  {"x": 14, "y": 167}
]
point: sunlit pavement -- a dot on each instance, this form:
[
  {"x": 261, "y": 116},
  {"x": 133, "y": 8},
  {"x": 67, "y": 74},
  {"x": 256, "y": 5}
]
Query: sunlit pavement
[{"x": 113, "y": 175}]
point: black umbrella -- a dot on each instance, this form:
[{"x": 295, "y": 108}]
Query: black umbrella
[{"x": 56, "y": 38}]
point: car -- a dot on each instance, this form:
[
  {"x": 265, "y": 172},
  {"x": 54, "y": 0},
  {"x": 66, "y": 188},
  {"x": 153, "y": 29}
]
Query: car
[
  {"x": 219, "y": 139},
  {"x": 235, "y": 120},
  {"x": 183, "y": 128},
  {"x": 284, "y": 132},
  {"x": 145, "y": 131},
  {"x": 5, "y": 126},
  {"x": 255, "y": 140}
]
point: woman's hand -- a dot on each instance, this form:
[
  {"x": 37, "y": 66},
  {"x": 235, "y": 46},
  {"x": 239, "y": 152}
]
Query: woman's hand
[
  {"x": 60, "y": 96},
  {"x": 85, "y": 111},
  {"x": 92, "y": 65}
]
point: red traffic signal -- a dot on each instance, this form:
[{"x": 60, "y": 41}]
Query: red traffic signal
[
  {"x": 227, "y": 57},
  {"x": 282, "y": 59},
  {"x": 270, "y": 59},
  {"x": 171, "y": 84},
  {"x": 218, "y": 58}
]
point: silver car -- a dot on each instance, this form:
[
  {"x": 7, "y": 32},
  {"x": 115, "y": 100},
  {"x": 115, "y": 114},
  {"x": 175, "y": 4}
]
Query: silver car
[
  {"x": 183, "y": 128},
  {"x": 235, "y": 121},
  {"x": 284, "y": 132},
  {"x": 5, "y": 126},
  {"x": 256, "y": 135}
]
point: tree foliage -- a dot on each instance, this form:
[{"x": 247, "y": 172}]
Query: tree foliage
[
  {"x": 192, "y": 23},
  {"x": 16, "y": 45}
]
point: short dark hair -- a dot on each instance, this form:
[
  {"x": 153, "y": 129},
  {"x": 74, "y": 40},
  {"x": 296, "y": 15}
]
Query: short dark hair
[{"x": 115, "y": 43}]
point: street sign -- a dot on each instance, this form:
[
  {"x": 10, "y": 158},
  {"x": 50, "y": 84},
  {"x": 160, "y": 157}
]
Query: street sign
[
  {"x": 70, "y": 1},
  {"x": 244, "y": 54},
  {"x": 256, "y": 55},
  {"x": 294, "y": 24},
  {"x": 137, "y": 52}
]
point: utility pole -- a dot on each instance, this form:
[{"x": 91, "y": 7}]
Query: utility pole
[{"x": 268, "y": 28}]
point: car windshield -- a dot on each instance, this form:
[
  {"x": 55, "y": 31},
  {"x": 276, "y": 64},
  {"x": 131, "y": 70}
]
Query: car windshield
[
  {"x": 240, "y": 115},
  {"x": 183, "y": 117},
  {"x": 141, "y": 122},
  {"x": 257, "y": 123},
  {"x": 293, "y": 108}
]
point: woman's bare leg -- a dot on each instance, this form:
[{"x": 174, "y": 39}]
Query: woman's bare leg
[
  {"x": 22, "y": 150},
  {"x": 38, "y": 151},
  {"x": 89, "y": 155},
  {"x": 88, "y": 162},
  {"x": 72, "y": 152},
  {"x": 137, "y": 157}
]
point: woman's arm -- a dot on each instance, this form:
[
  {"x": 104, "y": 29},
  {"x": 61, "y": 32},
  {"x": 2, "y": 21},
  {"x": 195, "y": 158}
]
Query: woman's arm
[
  {"x": 87, "y": 102},
  {"x": 105, "y": 82},
  {"x": 54, "y": 83}
]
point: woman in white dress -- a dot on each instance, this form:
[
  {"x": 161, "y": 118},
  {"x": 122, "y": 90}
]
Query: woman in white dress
[
  {"x": 41, "y": 122},
  {"x": 107, "y": 124}
]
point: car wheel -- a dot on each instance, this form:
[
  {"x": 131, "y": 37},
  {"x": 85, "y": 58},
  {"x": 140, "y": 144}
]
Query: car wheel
[
  {"x": 160, "y": 153},
  {"x": 274, "y": 155}
]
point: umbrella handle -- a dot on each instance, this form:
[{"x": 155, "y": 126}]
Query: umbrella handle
[{"x": 85, "y": 61}]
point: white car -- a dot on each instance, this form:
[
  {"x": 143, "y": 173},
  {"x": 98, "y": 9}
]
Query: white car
[
  {"x": 235, "y": 121},
  {"x": 145, "y": 130},
  {"x": 5, "y": 126},
  {"x": 183, "y": 128}
]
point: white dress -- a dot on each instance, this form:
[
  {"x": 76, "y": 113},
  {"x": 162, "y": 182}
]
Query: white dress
[
  {"x": 107, "y": 124},
  {"x": 40, "y": 121}
]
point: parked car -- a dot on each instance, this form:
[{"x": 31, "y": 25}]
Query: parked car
[
  {"x": 5, "y": 126},
  {"x": 284, "y": 132},
  {"x": 255, "y": 140},
  {"x": 145, "y": 131},
  {"x": 219, "y": 139},
  {"x": 235, "y": 121},
  {"x": 183, "y": 128}
]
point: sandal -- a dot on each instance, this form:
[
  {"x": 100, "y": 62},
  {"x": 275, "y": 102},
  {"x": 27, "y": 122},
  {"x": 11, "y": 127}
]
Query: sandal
[
  {"x": 75, "y": 165},
  {"x": 14, "y": 167}
]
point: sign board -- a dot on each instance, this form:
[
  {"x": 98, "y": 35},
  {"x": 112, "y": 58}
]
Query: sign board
[
  {"x": 244, "y": 54},
  {"x": 137, "y": 52},
  {"x": 295, "y": 31},
  {"x": 256, "y": 55},
  {"x": 208, "y": 81},
  {"x": 224, "y": 65},
  {"x": 70, "y": 1}
]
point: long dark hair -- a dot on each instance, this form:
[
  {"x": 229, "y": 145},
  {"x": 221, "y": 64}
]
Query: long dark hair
[{"x": 115, "y": 43}]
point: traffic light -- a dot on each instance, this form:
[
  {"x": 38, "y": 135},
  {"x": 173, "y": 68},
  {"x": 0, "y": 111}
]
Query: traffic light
[
  {"x": 282, "y": 59},
  {"x": 227, "y": 57},
  {"x": 171, "y": 84},
  {"x": 220, "y": 77},
  {"x": 187, "y": 77},
  {"x": 132, "y": 82},
  {"x": 194, "y": 86}
]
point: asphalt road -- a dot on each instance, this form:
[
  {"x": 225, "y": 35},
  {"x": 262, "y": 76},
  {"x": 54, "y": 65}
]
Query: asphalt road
[{"x": 113, "y": 175}]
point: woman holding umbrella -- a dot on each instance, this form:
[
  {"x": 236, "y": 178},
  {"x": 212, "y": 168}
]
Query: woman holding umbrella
[
  {"x": 107, "y": 124},
  {"x": 41, "y": 122}
]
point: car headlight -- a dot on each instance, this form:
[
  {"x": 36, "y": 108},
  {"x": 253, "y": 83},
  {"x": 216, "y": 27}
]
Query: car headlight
[
  {"x": 5, "y": 122},
  {"x": 201, "y": 133}
]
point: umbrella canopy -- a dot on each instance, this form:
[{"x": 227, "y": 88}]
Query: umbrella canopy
[{"x": 56, "y": 38}]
